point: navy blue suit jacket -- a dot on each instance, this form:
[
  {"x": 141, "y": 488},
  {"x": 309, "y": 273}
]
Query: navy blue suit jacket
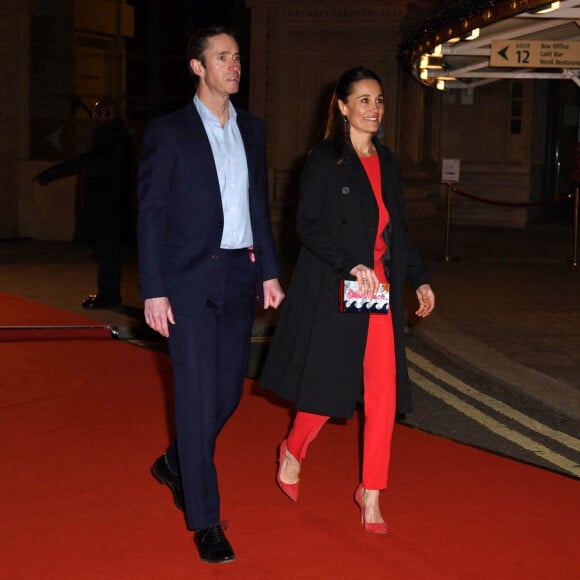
[{"x": 180, "y": 210}]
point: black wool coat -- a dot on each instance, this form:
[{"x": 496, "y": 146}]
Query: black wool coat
[{"x": 316, "y": 356}]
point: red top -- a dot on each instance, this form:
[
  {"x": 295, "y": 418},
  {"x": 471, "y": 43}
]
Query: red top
[{"x": 373, "y": 171}]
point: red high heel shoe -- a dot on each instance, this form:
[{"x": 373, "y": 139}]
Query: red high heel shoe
[
  {"x": 290, "y": 489},
  {"x": 377, "y": 528}
]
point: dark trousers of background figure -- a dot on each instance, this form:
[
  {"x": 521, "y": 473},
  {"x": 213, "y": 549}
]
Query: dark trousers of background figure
[
  {"x": 108, "y": 254},
  {"x": 209, "y": 355}
]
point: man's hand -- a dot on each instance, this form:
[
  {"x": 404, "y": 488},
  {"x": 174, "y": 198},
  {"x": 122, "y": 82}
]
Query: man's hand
[
  {"x": 273, "y": 293},
  {"x": 157, "y": 313}
]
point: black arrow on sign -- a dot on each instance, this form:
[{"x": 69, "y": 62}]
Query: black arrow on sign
[{"x": 503, "y": 52}]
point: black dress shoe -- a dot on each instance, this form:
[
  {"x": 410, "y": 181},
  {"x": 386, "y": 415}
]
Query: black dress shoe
[
  {"x": 163, "y": 474},
  {"x": 213, "y": 546},
  {"x": 94, "y": 301}
]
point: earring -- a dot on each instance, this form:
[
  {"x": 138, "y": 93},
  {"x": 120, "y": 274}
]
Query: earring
[
  {"x": 381, "y": 132},
  {"x": 346, "y": 128}
]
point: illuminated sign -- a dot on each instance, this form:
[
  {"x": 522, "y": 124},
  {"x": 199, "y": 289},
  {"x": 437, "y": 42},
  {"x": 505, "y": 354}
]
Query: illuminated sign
[{"x": 535, "y": 54}]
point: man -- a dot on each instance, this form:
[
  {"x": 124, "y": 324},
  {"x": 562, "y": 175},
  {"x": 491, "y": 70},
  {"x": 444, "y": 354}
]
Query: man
[
  {"x": 105, "y": 197},
  {"x": 206, "y": 250}
]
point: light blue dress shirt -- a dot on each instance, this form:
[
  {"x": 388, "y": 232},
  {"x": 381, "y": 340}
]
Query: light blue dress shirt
[{"x": 232, "y": 168}]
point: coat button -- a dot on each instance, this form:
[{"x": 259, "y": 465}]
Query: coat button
[
  {"x": 345, "y": 190},
  {"x": 214, "y": 257},
  {"x": 220, "y": 224}
]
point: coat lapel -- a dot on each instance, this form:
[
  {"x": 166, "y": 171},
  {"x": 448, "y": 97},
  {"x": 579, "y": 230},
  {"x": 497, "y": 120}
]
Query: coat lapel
[
  {"x": 388, "y": 184},
  {"x": 368, "y": 205}
]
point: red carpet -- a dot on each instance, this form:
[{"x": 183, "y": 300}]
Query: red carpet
[{"x": 82, "y": 421}]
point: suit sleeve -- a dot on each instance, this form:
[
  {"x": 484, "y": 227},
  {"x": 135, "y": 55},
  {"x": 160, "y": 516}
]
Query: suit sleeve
[
  {"x": 264, "y": 242},
  {"x": 153, "y": 185}
]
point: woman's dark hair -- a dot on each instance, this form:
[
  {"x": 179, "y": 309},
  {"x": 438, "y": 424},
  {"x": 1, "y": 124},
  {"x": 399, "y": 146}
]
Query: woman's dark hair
[
  {"x": 198, "y": 43},
  {"x": 336, "y": 127}
]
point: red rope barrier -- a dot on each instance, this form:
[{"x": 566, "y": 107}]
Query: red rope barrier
[
  {"x": 575, "y": 196},
  {"x": 512, "y": 204}
]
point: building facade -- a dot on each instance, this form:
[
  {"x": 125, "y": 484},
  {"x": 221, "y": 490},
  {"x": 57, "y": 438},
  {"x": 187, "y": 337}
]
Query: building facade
[{"x": 60, "y": 55}]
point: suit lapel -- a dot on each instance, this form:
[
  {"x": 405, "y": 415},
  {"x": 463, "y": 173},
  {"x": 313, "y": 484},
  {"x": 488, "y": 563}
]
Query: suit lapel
[
  {"x": 199, "y": 146},
  {"x": 245, "y": 128}
]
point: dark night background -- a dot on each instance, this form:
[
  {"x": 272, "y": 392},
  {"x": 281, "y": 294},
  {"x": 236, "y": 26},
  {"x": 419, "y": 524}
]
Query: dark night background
[{"x": 157, "y": 77}]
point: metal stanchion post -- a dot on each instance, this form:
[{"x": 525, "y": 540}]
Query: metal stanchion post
[
  {"x": 574, "y": 262},
  {"x": 447, "y": 222}
]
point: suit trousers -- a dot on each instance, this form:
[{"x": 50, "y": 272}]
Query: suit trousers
[{"x": 209, "y": 354}]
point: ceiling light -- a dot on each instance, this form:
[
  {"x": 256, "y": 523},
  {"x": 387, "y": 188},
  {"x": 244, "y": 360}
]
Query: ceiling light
[
  {"x": 472, "y": 35},
  {"x": 432, "y": 62},
  {"x": 553, "y": 6}
]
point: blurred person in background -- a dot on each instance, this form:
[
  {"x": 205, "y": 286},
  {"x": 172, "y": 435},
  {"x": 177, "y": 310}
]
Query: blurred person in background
[{"x": 105, "y": 197}]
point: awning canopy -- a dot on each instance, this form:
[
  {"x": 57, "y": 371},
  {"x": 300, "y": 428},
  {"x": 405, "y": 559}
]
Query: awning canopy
[{"x": 482, "y": 41}]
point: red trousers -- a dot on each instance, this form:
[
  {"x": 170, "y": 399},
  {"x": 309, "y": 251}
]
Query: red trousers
[{"x": 379, "y": 407}]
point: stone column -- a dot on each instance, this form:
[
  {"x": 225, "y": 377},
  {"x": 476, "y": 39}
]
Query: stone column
[{"x": 14, "y": 113}]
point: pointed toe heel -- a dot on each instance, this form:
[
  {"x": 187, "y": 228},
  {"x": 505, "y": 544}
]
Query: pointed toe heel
[
  {"x": 376, "y": 528},
  {"x": 289, "y": 489}
]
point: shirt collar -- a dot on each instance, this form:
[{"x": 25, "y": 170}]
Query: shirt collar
[{"x": 208, "y": 116}]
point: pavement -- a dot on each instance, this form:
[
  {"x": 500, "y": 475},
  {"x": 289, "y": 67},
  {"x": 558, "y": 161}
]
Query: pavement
[{"x": 507, "y": 300}]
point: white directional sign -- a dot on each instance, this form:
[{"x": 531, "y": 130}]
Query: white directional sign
[
  {"x": 450, "y": 170},
  {"x": 535, "y": 54}
]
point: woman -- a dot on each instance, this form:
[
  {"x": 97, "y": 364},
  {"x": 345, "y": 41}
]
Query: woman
[{"x": 351, "y": 224}]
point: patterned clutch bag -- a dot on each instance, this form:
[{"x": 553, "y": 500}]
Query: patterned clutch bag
[{"x": 351, "y": 299}]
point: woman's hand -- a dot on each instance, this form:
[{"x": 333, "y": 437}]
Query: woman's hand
[
  {"x": 426, "y": 298},
  {"x": 366, "y": 278}
]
